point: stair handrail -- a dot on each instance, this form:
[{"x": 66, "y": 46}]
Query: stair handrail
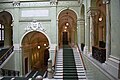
[
  {"x": 81, "y": 57},
  {"x": 5, "y": 56},
  {"x": 45, "y": 74}
]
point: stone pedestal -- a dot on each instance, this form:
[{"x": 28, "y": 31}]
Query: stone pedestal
[{"x": 50, "y": 70}]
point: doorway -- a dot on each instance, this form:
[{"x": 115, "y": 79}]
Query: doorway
[
  {"x": 65, "y": 38},
  {"x": 26, "y": 65},
  {"x": 67, "y": 30}
]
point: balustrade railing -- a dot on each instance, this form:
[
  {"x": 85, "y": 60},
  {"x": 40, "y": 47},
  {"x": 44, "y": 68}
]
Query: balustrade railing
[
  {"x": 6, "y": 72},
  {"x": 99, "y": 54},
  {"x": 5, "y": 56}
]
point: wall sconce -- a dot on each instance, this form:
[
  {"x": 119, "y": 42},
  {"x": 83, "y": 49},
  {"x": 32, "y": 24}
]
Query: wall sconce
[
  {"x": 100, "y": 19},
  {"x": 65, "y": 27},
  {"x": 67, "y": 24},
  {"x": 64, "y": 30},
  {"x": 44, "y": 44},
  {"x": 38, "y": 47}
]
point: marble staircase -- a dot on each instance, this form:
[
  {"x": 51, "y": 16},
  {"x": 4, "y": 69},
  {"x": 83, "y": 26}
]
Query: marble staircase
[{"x": 79, "y": 65}]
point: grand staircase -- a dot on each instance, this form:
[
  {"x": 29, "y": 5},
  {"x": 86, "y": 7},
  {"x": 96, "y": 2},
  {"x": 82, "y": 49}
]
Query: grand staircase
[{"x": 69, "y": 65}]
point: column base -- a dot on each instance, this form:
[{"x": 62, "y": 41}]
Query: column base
[
  {"x": 113, "y": 67},
  {"x": 86, "y": 50}
]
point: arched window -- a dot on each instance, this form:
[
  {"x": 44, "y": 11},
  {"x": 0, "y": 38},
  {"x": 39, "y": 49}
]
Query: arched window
[
  {"x": 1, "y": 32},
  {"x": 1, "y": 35}
]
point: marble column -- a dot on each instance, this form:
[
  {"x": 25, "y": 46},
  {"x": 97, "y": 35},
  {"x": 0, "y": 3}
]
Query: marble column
[
  {"x": 108, "y": 29},
  {"x": 87, "y": 36},
  {"x": 82, "y": 30},
  {"x": 88, "y": 25},
  {"x": 93, "y": 12},
  {"x": 78, "y": 32}
]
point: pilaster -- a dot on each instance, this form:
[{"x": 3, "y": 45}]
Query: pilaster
[
  {"x": 82, "y": 31},
  {"x": 108, "y": 28},
  {"x": 8, "y": 38},
  {"x": 91, "y": 13},
  {"x": 112, "y": 63}
]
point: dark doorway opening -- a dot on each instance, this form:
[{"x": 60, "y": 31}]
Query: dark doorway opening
[
  {"x": 65, "y": 38},
  {"x": 26, "y": 65}
]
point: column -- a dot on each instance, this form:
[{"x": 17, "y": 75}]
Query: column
[
  {"x": 82, "y": 30},
  {"x": 93, "y": 12},
  {"x": 88, "y": 26},
  {"x": 91, "y": 33},
  {"x": 8, "y": 36},
  {"x": 17, "y": 49},
  {"x": 53, "y": 29},
  {"x": 78, "y": 32},
  {"x": 87, "y": 36},
  {"x": 108, "y": 29}
]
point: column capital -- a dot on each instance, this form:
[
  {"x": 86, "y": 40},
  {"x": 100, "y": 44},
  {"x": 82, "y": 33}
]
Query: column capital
[
  {"x": 53, "y": 2},
  {"x": 92, "y": 11},
  {"x": 106, "y": 1},
  {"x": 16, "y": 3}
]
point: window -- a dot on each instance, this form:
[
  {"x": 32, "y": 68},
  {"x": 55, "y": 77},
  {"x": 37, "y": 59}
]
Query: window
[{"x": 1, "y": 32}]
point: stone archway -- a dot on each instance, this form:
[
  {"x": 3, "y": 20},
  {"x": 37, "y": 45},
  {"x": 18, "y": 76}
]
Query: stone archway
[
  {"x": 6, "y": 21},
  {"x": 34, "y": 46},
  {"x": 67, "y": 27}
]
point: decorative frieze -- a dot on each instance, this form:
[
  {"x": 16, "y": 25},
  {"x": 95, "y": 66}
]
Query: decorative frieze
[{"x": 34, "y": 25}]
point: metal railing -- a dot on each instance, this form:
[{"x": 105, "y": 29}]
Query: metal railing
[
  {"x": 6, "y": 55},
  {"x": 6, "y": 72}
]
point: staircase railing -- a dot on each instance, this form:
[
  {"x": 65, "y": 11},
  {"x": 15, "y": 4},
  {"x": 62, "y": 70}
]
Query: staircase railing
[
  {"x": 45, "y": 74},
  {"x": 6, "y": 72},
  {"x": 5, "y": 56},
  {"x": 81, "y": 57},
  {"x": 99, "y": 54}
]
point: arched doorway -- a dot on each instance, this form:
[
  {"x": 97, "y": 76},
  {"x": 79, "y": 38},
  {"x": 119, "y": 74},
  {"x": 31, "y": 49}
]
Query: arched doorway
[
  {"x": 98, "y": 31},
  {"x": 67, "y": 28},
  {"x": 35, "y": 51},
  {"x": 6, "y": 32}
]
